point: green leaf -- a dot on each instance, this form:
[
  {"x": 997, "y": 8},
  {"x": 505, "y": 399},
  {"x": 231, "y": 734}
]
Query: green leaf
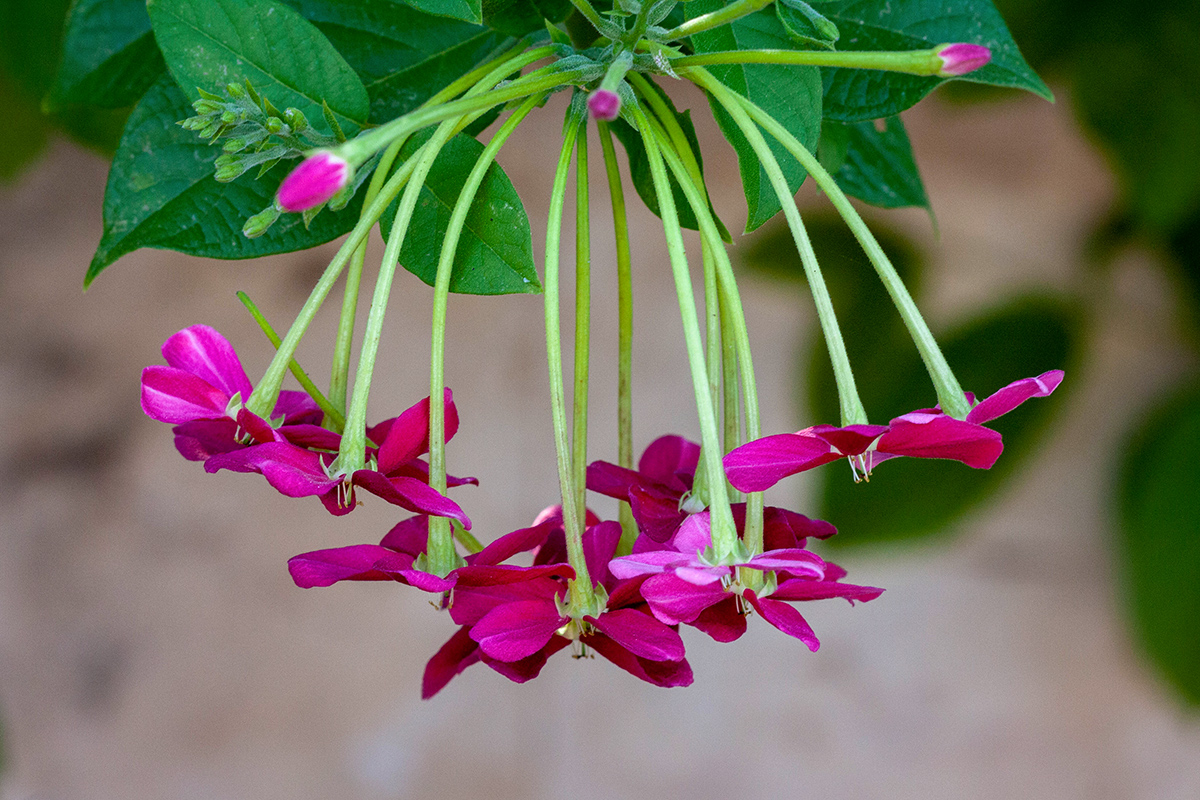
[
  {"x": 513, "y": 17},
  {"x": 806, "y": 25},
  {"x": 495, "y": 251},
  {"x": 109, "y": 58},
  {"x": 466, "y": 10},
  {"x": 211, "y": 43},
  {"x": 878, "y": 165},
  {"x": 791, "y": 94},
  {"x": 639, "y": 168},
  {"x": 908, "y": 498},
  {"x": 161, "y": 193},
  {"x": 1159, "y": 539},
  {"x": 24, "y": 134},
  {"x": 30, "y": 42},
  {"x": 853, "y": 95},
  {"x": 403, "y": 56}
]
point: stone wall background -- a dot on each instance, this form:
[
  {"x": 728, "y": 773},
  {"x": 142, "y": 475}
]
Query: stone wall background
[{"x": 152, "y": 644}]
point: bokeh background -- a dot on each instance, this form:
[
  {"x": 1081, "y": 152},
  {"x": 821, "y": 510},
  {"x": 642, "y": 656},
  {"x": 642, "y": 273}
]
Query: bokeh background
[{"x": 1040, "y": 633}]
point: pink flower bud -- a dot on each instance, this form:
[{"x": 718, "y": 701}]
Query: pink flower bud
[
  {"x": 318, "y": 178},
  {"x": 604, "y": 105},
  {"x": 959, "y": 59}
]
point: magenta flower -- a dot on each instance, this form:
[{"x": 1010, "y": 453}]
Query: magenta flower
[
  {"x": 687, "y": 585},
  {"x": 400, "y": 476},
  {"x": 318, "y": 178},
  {"x": 604, "y": 105},
  {"x": 657, "y": 490},
  {"x": 201, "y": 392},
  {"x": 959, "y": 59},
  {"x": 925, "y": 433}
]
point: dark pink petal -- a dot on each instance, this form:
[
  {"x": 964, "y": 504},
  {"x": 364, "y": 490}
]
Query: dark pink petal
[
  {"x": 674, "y": 600},
  {"x": 784, "y": 529},
  {"x": 296, "y": 407},
  {"x": 640, "y": 634},
  {"x": 1013, "y": 395},
  {"x": 469, "y": 604},
  {"x": 173, "y": 395},
  {"x": 458, "y": 653},
  {"x": 851, "y": 440},
  {"x": 800, "y": 589},
  {"x": 659, "y": 673},
  {"x": 360, "y": 562},
  {"x": 798, "y": 562},
  {"x": 528, "y": 668},
  {"x": 513, "y": 631},
  {"x": 208, "y": 355},
  {"x": 258, "y": 428},
  {"x": 656, "y": 511},
  {"x": 599, "y": 546},
  {"x": 604, "y": 104},
  {"x": 408, "y": 436},
  {"x": 785, "y": 618},
  {"x": 671, "y": 460},
  {"x": 204, "y": 438},
  {"x": 411, "y": 494},
  {"x": 510, "y": 544},
  {"x": 612, "y": 481},
  {"x": 293, "y": 471},
  {"x": 626, "y": 593},
  {"x": 941, "y": 436},
  {"x": 500, "y": 574},
  {"x": 408, "y": 536},
  {"x": 418, "y": 469},
  {"x": 759, "y": 465},
  {"x": 311, "y": 437},
  {"x": 425, "y": 581},
  {"x": 724, "y": 622}
]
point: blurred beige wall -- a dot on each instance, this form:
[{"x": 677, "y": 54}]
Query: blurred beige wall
[{"x": 152, "y": 644}]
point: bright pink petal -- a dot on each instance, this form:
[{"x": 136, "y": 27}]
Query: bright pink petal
[
  {"x": 659, "y": 673},
  {"x": 851, "y": 440},
  {"x": 724, "y": 622},
  {"x": 640, "y": 634},
  {"x": 941, "y": 436},
  {"x": 295, "y": 407},
  {"x": 694, "y": 535},
  {"x": 674, "y": 600},
  {"x": 408, "y": 436},
  {"x": 411, "y": 494},
  {"x": 175, "y": 396},
  {"x": 801, "y": 589},
  {"x": 208, "y": 355},
  {"x": 513, "y": 631},
  {"x": 759, "y": 465},
  {"x": 458, "y": 653},
  {"x": 785, "y": 618},
  {"x": 202, "y": 439},
  {"x": 360, "y": 562},
  {"x": 1013, "y": 395},
  {"x": 599, "y": 546},
  {"x": 318, "y": 178},
  {"x": 798, "y": 562},
  {"x": 293, "y": 471},
  {"x": 469, "y": 604},
  {"x": 648, "y": 563},
  {"x": 670, "y": 459},
  {"x": 510, "y": 544}
]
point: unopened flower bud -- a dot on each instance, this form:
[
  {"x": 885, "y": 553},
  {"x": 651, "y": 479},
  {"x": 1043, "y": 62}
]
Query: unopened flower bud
[
  {"x": 296, "y": 119},
  {"x": 236, "y": 90},
  {"x": 318, "y": 178},
  {"x": 274, "y": 125},
  {"x": 258, "y": 224},
  {"x": 604, "y": 105},
  {"x": 959, "y": 59},
  {"x": 204, "y": 106},
  {"x": 229, "y": 116},
  {"x": 233, "y": 145},
  {"x": 229, "y": 167}
]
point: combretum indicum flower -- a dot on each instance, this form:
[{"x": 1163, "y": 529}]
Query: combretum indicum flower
[{"x": 687, "y": 547}]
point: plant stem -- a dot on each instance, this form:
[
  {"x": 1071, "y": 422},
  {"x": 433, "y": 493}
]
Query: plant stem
[
  {"x": 715, "y": 19},
  {"x": 851, "y": 406},
  {"x": 949, "y": 392},
  {"x": 912, "y": 62},
  {"x": 300, "y": 375},
  {"x": 440, "y": 549},
  {"x": 724, "y": 532},
  {"x": 582, "y": 592},
  {"x": 583, "y": 320},
  {"x": 753, "y": 531},
  {"x": 624, "y": 331}
]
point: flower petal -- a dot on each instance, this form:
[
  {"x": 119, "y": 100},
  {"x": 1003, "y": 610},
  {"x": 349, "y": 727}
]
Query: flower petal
[
  {"x": 785, "y": 618},
  {"x": 292, "y": 470},
  {"x": 458, "y": 653},
  {"x": 796, "y": 561},
  {"x": 528, "y": 668},
  {"x": 412, "y": 494},
  {"x": 659, "y": 673},
  {"x": 759, "y": 465},
  {"x": 360, "y": 562},
  {"x": 510, "y": 544},
  {"x": 801, "y": 589},
  {"x": 941, "y": 436},
  {"x": 640, "y": 634},
  {"x": 207, "y": 354},
  {"x": 724, "y": 622},
  {"x": 513, "y": 631},
  {"x": 599, "y": 546},
  {"x": 202, "y": 439},
  {"x": 173, "y": 395},
  {"x": 656, "y": 511},
  {"x": 648, "y": 563},
  {"x": 1013, "y": 395},
  {"x": 408, "y": 435},
  {"x": 694, "y": 535},
  {"x": 671, "y": 461},
  {"x": 673, "y": 600}
]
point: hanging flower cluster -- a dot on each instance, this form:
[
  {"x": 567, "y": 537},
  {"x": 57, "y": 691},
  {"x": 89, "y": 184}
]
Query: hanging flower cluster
[{"x": 694, "y": 545}]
